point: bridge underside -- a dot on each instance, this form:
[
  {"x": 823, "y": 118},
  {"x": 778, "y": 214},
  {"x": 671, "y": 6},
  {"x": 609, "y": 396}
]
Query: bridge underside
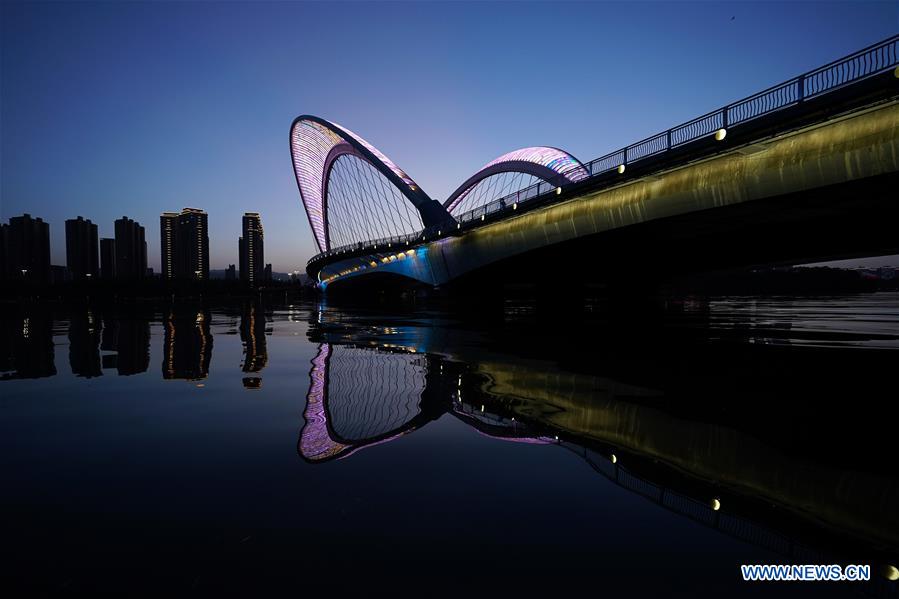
[{"x": 822, "y": 192}]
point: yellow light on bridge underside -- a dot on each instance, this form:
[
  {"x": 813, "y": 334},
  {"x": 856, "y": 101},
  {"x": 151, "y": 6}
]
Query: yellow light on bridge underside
[
  {"x": 890, "y": 572},
  {"x": 896, "y": 72},
  {"x": 482, "y": 217},
  {"x": 620, "y": 169},
  {"x": 716, "y": 504},
  {"x": 613, "y": 458},
  {"x": 558, "y": 190},
  {"x": 459, "y": 225},
  {"x": 515, "y": 206},
  {"x": 373, "y": 263},
  {"x": 720, "y": 134}
]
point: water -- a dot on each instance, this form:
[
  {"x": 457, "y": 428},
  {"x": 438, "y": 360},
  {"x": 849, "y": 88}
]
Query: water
[{"x": 271, "y": 447}]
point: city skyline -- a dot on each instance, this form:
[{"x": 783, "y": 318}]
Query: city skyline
[{"x": 143, "y": 136}]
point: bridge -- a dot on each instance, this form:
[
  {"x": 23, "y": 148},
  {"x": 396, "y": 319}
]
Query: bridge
[{"x": 805, "y": 170}]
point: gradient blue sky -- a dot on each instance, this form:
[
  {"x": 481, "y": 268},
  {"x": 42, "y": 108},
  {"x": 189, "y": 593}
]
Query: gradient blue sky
[{"x": 135, "y": 108}]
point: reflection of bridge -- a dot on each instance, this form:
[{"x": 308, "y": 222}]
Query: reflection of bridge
[
  {"x": 368, "y": 397},
  {"x": 808, "y": 166},
  {"x": 360, "y": 397}
]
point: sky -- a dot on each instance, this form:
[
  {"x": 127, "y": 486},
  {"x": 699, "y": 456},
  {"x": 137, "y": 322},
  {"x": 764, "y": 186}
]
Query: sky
[{"x": 130, "y": 108}]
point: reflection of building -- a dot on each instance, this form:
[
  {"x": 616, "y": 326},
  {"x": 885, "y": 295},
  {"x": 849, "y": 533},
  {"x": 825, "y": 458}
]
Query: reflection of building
[
  {"x": 187, "y": 346},
  {"x": 107, "y": 258},
  {"x": 131, "y": 249},
  {"x": 129, "y": 337},
  {"x": 82, "y": 256},
  {"x": 252, "y": 333},
  {"x": 252, "y": 250},
  {"x": 28, "y": 249},
  {"x": 252, "y": 382},
  {"x": 84, "y": 345},
  {"x": 26, "y": 347}
]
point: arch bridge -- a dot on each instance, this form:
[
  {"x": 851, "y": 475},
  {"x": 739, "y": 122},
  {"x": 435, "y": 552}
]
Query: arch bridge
[{"x": 802, "y": 171}]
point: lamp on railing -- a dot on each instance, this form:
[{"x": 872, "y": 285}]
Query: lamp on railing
[{"x": 720, "y": 134}]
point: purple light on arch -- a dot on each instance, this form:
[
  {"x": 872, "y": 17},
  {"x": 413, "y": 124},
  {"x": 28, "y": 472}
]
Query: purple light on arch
[
  {"x": 554, "y": 159},
  {"x": 540, "y": 161},
  {"x": 311, "y": 142}
]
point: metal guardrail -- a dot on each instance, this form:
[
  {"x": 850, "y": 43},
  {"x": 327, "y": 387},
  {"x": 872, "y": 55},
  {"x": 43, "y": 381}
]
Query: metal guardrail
[{"x": 865, "y": 63}]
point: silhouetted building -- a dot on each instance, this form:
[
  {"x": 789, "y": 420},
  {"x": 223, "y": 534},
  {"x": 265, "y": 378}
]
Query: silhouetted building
[
  {"x": 107, "y": 258},
  {"x": 82, "y": 252},
  {"x": 230, "y": 273},
  {"x": 187, "y": 346},
  {"x": 184, "y": 243},
  {"x": 168, "y": 233},
  {"x": 84, "y": 345},
  {"x": 267, "y": 273},
  {"x": 28, "y": 247},
  {"x": 251, "y": 249},
  {"x": 193, "y": 237},
  {"x": 131, "y": 249},
  {"x": 129, "y": 337}
]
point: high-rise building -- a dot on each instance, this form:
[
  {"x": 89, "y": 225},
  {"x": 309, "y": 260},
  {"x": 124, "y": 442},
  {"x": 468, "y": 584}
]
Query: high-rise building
[
  {"x": 82, "y": 253},
  {"x": 184, "y": 244},
  {"x": 107, "y": 258},
  {"x": 131, "y": 249},
  {"x": 168, "y": 239},
  {"x": 230, "y": 273},
  {"x": 28, "y": 249},
  {"x": 267, "y": 273},
  {"x": 252, "y": 251},
  {"x": 193, "y": 244}
]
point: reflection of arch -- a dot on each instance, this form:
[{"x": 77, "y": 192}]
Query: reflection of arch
[
  {"x": 320, "y": 442},
  {"x": 315, "y": 144},
  {"x": 550, "y": 164}
]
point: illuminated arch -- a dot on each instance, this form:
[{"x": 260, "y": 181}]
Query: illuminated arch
[
  {"x": 550, "y": 164},
  {"x": 315, "y": 145}
]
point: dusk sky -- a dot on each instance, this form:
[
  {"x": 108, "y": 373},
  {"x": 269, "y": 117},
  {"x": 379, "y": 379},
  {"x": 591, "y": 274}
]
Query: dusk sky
[{"x": 112, "y": 109}]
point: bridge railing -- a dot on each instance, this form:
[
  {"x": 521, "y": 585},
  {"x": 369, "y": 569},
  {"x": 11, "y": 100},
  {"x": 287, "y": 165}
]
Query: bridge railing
[{"x": 867, "y": 62}]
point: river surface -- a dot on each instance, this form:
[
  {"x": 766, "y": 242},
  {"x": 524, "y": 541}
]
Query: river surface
[{"x": 276, "y": 447}]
